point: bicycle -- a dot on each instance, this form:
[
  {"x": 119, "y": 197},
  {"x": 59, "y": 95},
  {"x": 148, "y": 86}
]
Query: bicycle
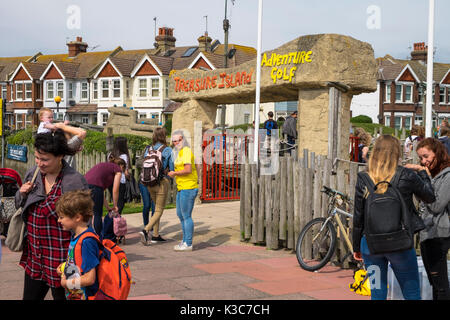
[{"x": 316, "y": 242}]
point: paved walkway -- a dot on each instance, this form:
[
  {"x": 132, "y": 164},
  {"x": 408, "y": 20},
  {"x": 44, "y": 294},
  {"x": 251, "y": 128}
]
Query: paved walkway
[{"x": 220, "y": 267}]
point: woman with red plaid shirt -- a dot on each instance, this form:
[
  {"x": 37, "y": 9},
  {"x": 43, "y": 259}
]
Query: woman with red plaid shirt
[{"x": 46, "y": 243}]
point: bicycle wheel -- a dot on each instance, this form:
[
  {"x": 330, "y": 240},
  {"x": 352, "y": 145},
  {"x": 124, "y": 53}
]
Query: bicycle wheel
[{"x": 314, "y": 247}]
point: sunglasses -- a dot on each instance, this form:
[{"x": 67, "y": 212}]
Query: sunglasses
[{"x": 175, "y": 141}]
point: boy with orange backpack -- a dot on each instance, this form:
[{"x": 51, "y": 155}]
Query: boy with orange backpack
[{"x": 94, "y": 269}]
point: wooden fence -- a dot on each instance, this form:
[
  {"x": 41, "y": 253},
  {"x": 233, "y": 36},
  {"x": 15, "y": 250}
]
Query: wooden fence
[{"x": 275, "y": 208}]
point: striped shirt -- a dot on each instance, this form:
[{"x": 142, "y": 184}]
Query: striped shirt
[{"x": 47, "y": 243}]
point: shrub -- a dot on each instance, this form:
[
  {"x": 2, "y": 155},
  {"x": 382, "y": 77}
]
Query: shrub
[{"x": 361, "y": 119}]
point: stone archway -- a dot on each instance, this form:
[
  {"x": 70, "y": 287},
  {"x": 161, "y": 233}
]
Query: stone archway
[{"x": 322, "y": 72}]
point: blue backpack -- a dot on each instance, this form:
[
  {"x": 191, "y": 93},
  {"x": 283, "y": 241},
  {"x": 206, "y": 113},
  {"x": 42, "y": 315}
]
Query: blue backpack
[{"x": 269, "y": 125}]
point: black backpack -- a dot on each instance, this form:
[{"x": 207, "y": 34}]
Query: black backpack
[{"x": 386, "y": 217}]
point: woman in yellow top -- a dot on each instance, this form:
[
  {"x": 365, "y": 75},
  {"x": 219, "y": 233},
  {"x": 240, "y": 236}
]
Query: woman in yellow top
[{"x": 186, "y": 177}]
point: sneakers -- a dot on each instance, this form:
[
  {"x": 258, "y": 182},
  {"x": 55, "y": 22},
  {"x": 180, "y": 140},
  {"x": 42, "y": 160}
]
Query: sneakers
[
  {"x": 158, "y": 239},
  {"x": 144, "y": 237},
  {"x": 182, "y": 247}
]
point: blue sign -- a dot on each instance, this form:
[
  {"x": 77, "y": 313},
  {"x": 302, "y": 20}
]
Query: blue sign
[{"x": 17, "y": 152}]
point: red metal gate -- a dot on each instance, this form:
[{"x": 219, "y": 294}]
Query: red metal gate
[
  {"x": 354, "y": 150},
  {"x": 222, "y": 159}
]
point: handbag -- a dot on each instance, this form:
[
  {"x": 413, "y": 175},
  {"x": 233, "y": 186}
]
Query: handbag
[
  {"x": 16, "y": 230},
  {"x": 119, "y": 225}
]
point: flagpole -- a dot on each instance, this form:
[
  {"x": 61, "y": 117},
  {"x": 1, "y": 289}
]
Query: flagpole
[
  {"x": 429, "y": 95},
  {"x": 258, "y": 84}
]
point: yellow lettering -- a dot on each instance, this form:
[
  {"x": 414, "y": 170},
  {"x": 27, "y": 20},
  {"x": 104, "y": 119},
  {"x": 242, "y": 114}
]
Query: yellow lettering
[
  {"x": 279, "y": 74},
  {"x": 292, "y": 73},
  {"x": 285, "y": 76},
  {"x": 279, "y": 58},
  {"x": 272, "y": 74},
  {"x": 285, "y": 58},
  {"x": 264, "y": 60},
  {"x": 291, "y": 55},
  {"x": 307, "y": 57},
  {"x": 302, "y": 57}
]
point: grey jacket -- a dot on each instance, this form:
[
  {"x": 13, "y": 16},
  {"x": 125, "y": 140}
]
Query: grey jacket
[
  {"x": 290, "y": 127},
  {"x": 72, "y": 180},
  {"x": 435, "y": 215}
]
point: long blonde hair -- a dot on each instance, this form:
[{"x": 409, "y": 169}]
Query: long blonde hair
[{"x": 384, "y": 160}]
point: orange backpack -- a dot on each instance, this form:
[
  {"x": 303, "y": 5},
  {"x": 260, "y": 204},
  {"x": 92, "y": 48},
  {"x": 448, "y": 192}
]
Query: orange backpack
[{"x": 113, "y": 272}]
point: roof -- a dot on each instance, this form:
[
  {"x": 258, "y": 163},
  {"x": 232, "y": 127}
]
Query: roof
[
  {"x": 9, "y": 65},
  {"x": 83, "y": 108},
  {"x": 171, "y": 107},
  {"x": 390, "y": 68}
]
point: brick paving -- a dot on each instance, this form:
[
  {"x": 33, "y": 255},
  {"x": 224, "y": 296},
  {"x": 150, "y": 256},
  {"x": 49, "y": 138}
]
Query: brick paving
[{"x": 220, "y": 267}]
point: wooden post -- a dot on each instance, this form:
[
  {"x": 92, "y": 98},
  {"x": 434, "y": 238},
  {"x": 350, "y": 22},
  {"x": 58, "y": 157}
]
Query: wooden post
[
  {"x": 290, "y": 203},
  {"x": 270, "y": 186},
  {"x": 261, "y": 207},
  {"x": 242, "y": 199},
  {"x": 248, "y": 202},
  {"x": 283, "y": 197},
  {"x": 254, "y": 213},
  {"x": 275, "y": 195},
  {"x": 296, "y": 175}
]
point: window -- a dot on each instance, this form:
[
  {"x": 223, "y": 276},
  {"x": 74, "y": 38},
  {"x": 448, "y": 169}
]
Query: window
[
  {"x": 28, "y": 120},
  {"x": 155, "y": 87},
  {"x": 105, "y": 89},
  {"x": 116, "y": 88},
  {"x": 408, "y": 123},
  {"x": 408, "y": 93},
  {"x": 95, "y": 90},
  {"x": 28, "y": 92},
  {"x": 420, "y": 94},
  {"x": 398, "y": 93},
  {"x": 60, "y": 89},
  {"x": 246, "y": 118},
  {"x": 19, "y": 91},
  {"x": 387, "y": 121},
  {"x": 142, "y": 115},
  {"x": 84, "y": 91},
  {"x": 70, "y": 91},
  {"x": 388, "y": 92},
  {"x": 397, "y": 122},
  {"x": 128, "y": 88},
  {"x": 104, "y": 119},
  {"x": 418, "y": 120},
  {"x": 448, "y": 95},
  {"x": 442, "y": 95},
  {"x": 85, "y": 120},
  {"x": 142, "y": 88},
  {"x": 4, "y": 91},
  {"x": 167, "y": 88},
  {"x": 50, "y": 93},
  {"x": 19, "y": 121}
]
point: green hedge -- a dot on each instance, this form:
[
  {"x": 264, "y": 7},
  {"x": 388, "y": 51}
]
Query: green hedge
[{"x": 361, "y": 119}]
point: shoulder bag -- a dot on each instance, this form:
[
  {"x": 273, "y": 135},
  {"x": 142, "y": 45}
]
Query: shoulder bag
[{"x": 16, "y": 230}]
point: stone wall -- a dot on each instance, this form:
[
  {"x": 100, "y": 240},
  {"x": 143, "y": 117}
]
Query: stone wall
[{"x": 125, "y": 121}]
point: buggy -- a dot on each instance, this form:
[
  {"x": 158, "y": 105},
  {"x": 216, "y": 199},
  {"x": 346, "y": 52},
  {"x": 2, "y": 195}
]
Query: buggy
[{"x": 10, "y": 182}]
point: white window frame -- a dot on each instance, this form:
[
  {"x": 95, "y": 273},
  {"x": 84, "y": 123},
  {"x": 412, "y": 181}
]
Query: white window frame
[
  {"x": 395, "y": 118},
  {"x": 85, "y": 91},
  {"x": 397, "y": 92},
  {"x": 60, "y": 91},
  {"x": 166, "y": 82},
  {"x": 116, "y": 90},
  {"x": 408, "y": 127},
  {"x": 441, "y": 95},
  {"x": 70, "y": 90},
  {"x": 95, "y": 90},
  {"x": 410, "y": 86},
  {"x": 21, "y": 90},
  {"x": 103, "y": 118},
  {"x": 143, "y": 90},
  {"x": 448, "y": 95},
  {"x": 127, "y": 88},
  {"x": 105, "y": 89},
  {"x": 388, "y": 93},
  {"x": 154, "y": 88},
  {"x": 19, "y": 115},
  {"x": 26, "y": 91},
  {"x": 85, "y": 119},
  {"x": 48, "y": 90},
  {"x": 421, "y": 93},
  {"x": 4, "y": 91},
  {"x": 387, "y": 120}
]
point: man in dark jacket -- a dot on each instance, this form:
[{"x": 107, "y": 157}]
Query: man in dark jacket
[
  {"x": 290, "y": 129},
  {"x": 444, "y": 138}
]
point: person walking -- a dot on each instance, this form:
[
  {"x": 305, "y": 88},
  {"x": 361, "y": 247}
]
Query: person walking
[
  {"x": 435, "y": 238},
  {"x": 46, "y": 243},
  {"x": 269, "y": 125},
  {"x": 383, "y": 166},
  {"x": 409, "y": 141},
  {"x": 365, "y": 139},
  {"x": 120, "y": 150},
  {"x": 186, "y": 177},
  {"x": 290, "y": 129},
  {"x": 159, "y": 191},
  {"x": 100, "y": 177},
  {"x": 147, "y": 201}
]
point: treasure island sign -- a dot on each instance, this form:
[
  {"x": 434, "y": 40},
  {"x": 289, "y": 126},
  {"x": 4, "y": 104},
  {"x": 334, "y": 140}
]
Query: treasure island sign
[{"x": 322, "y": 72}]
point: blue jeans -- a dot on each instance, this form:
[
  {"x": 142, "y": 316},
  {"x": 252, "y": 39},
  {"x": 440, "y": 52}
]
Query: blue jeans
[
  {"x": 148, "y": 202},
  {"x": 97, "y": 196},
  {"x": 404, "y": 265},
  {"x": 185, "y": 204}
]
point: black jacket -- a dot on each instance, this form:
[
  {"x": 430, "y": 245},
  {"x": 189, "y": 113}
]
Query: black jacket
[{"x": 409, "y": 183}]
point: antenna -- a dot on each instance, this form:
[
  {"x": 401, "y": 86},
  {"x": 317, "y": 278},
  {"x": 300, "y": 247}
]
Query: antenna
[
  {"x": 155, "y": 44},
  {"x": 154, "y": 19},
  {"x": 206, "y": 17},
  {"x": 94, "y": 47}
]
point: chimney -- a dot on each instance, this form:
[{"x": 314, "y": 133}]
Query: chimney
[
  {"x": 76, "y": 47},
  {"x": 420, "y": 52},
  {"x": 204, "y": 42},
  {"x": 165, "y": 39}
]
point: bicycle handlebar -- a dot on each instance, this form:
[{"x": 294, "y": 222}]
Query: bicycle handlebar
[{"x": 331, "y": 192}]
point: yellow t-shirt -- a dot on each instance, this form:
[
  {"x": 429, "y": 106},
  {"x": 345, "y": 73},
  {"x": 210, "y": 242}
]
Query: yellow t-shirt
[{"x": 188, "y": 181}]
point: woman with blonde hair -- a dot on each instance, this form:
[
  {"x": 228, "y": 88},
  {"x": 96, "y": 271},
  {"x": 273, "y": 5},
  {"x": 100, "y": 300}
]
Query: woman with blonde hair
[
  {"x": 382, "y": 168},
  {"x": 365, "y": 139}
]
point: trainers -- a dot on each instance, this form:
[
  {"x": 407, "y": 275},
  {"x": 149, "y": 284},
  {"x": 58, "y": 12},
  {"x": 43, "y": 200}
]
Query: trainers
[
  {"x": 144, "y": 237},
  {"x": 158, "y": 239},
  {"x": 182, "y": 247}
]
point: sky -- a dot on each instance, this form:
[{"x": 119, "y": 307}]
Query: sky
[{"x": 390, "y": 26}]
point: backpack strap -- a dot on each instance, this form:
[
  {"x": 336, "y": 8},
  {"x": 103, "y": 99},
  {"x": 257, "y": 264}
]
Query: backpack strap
[{"x": 77, "y": 251}]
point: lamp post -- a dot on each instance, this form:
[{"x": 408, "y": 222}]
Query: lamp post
[{"x": 57, "y": 100}]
